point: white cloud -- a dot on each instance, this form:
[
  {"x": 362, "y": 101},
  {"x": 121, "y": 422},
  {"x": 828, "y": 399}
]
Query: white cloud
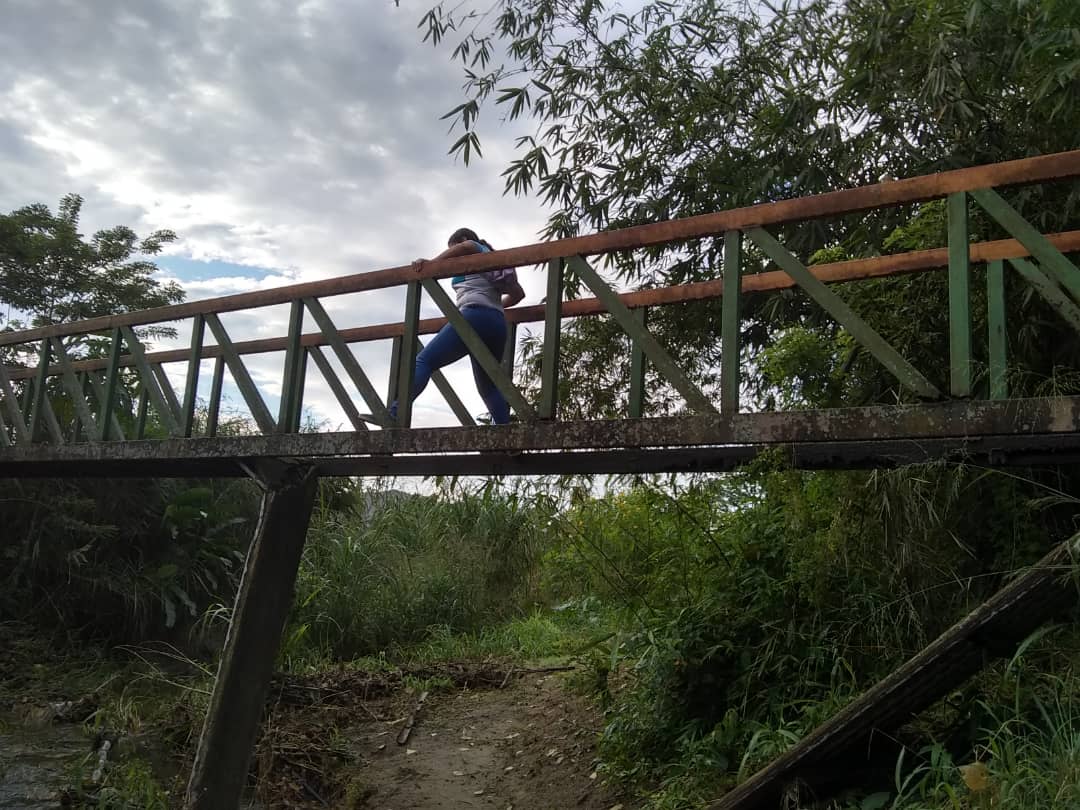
[{"x": 303, "y": 138}]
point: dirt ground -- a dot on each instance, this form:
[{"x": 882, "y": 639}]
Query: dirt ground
[{"x": 524, "y": 743}]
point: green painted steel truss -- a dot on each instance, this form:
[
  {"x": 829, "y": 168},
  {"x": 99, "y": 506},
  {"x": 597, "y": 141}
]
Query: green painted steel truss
[{"x": 60, "y": 394}]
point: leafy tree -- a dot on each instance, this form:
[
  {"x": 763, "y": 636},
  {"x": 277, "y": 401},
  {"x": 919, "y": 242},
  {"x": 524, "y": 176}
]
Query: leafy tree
[
  {"x": 689, "y": 107},
  {"x": 683, "y": 108},
  {"x": 93, "y": 552},
  {"x": 49, "y": 273}
]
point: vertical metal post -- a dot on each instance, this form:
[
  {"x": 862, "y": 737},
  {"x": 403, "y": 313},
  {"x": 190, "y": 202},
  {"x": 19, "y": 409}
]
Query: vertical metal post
[
  {"x": 395, "y": 369},
  {"x": 959, "y": 297},
  {"x": 142, "y": 411},
  {"x": 301, "y": 378},
  {"x": 28, "y": 400},
  {"x": 638, "y": 364},
  {"x": 407, "y": 360},
  {"x": 213, "y": 408},
  {"x": 729, "y": 325},
  {"x": 191, "y": 386},
  {"x": 112, "y": 381},
  {"x": 84, "y": 386},
  {"x": 549, "y": 366},
  {"x": 289, "y": 406},
  {"x": 510, "y": 349},
  {"x": 998, "y": 347},
  {"x": 39, "y": 401},
  {"x": 262, "y": 607}
]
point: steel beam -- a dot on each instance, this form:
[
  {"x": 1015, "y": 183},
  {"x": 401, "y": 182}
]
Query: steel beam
[
  {"x": 213, "y": 407},
  {"x": 959, "y": 298},
  {"x": 406, "y": 355},
  {"x": 191, "y": 385},
  {"x": 959, "y": 419},
  {"x": 639, "y": 364},
  {"x": 729, "y": 325},
  {"x": 549, "y": 365},
  {"x": 997, "y": 337},
  {"x": 1048, "y": 449}
]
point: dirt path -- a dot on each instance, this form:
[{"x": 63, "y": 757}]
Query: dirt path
[{"x": 527, "y": 746}]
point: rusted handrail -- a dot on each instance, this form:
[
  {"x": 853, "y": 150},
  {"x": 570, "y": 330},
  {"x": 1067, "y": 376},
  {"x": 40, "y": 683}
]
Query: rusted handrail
[
  {"x": 1059, "y": 166},
  {"x": 834, "y": 272}
]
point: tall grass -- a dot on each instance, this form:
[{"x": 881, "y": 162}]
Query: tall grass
[
  {"x": 394, "y": 569},
  {"x": 1026, "y": 753}
]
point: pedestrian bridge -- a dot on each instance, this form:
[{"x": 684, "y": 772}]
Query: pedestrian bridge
[{"x": 92, "y": 399}]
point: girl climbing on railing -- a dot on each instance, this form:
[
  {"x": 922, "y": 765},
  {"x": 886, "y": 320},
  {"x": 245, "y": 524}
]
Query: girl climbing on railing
[{"x": 481, "y": 298}]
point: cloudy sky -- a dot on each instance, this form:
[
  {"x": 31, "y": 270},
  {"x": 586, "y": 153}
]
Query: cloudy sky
[{"x": 283, "y": 141}]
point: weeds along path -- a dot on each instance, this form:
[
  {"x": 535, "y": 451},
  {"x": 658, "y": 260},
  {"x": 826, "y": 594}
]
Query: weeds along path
[{"x": 506, "y": 741}]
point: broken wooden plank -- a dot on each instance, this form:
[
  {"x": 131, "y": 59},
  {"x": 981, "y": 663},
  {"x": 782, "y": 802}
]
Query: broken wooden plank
[{"x": 991, "y": 631}]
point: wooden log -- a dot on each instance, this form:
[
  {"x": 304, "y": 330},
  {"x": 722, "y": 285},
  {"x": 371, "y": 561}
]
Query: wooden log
[
  {"x": 262, "y": 606},
  {"x": 993, "y": 630}
]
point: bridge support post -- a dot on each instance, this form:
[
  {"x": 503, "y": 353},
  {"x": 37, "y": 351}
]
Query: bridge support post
[{"x": 262, "y": 606}]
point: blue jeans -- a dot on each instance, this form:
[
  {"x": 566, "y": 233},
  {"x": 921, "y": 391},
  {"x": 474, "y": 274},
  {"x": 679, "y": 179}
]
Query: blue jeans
[{"x": 447, "y": 347}]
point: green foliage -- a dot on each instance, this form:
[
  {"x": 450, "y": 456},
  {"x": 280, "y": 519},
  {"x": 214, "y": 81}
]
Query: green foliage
[
  {"x": 128, "y": 784},
  {"x": 680, "y": 108},
  {"x": 753, "y": 608},
  {"x": 1026, "y": 751},
  {"x": 50, "y": 274},
  {"x": 123, "y": 561},
  {"x": 399, "y": 569},
  {"x": 540, "y": 634}
]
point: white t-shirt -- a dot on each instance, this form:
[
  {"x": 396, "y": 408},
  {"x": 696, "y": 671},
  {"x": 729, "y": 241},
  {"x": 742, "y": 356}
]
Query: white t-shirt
[{"x": 477, "y": 290}]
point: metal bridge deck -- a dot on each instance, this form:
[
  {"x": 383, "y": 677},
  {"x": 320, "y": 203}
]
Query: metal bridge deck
[{"x": 1003, "y": 433}]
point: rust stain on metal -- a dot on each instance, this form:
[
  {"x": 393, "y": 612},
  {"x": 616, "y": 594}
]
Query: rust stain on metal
[
  {"x": 836, "y": 272},
  {"x": 957, "y": 419},
  {"x": 1027, "y": 170}
]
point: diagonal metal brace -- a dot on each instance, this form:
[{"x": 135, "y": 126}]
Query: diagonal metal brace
[
  {"x": 241, "y": 376},
  {"x": 906, "y": 373},
  {"x": 150, "y": 381},
  {"x": 74, "y": 388},
  {"x": 492, "y": 367},
  {"x": 448, "y": 392},
  {"x": 11, "y": 403},
  {"x": 348, "y": 361},
  {"x": 656, "y": 353},
  {"x": 1050, "y": 258},
  {"x": 1049, "y": 290}
]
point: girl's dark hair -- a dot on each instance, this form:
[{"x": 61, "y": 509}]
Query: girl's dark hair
[{"x": 467, "y": 234}]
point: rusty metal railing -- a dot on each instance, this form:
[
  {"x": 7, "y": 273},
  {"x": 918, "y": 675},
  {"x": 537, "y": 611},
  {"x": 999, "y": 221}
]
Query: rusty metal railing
[{"x": 66, "y": 398}]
